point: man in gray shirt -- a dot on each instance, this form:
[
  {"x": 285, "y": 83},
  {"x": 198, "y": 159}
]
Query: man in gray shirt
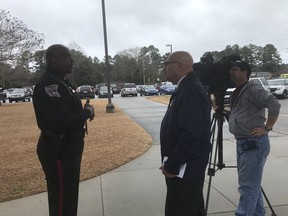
[{"x": 248, "y": 124}]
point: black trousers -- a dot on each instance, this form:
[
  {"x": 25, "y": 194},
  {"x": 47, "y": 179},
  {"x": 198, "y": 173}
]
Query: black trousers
[
  {"x": 184, "y": 197},
  {"x": 62, "y": 175}
]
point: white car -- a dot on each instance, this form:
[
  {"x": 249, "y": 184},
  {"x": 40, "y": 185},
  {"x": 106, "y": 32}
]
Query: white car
[
  {"x": 129, "y": 89},
  {"x": 261, "y": 80},
  {"x": 19, "y": 94},
  {"x": 279, "y": 87}
]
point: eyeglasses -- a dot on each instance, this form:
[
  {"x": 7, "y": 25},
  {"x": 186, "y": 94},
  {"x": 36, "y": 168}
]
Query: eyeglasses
[{"x": 170, "y": 62}]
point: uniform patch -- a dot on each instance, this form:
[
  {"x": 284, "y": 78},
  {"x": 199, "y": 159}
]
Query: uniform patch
[{"x": 52, "y": 91}]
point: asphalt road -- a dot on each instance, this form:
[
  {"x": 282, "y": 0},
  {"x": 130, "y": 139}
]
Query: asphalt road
[
  {"x": 145, "y": 112},
  {"x": 155, "y": 112},
  {"x": 282, "y": 122}
]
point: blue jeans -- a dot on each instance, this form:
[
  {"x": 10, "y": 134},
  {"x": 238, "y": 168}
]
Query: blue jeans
[{"x": 251, "y": 156}]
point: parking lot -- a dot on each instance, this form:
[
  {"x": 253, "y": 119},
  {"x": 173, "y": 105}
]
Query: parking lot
[{"x": 138, "y": 187}]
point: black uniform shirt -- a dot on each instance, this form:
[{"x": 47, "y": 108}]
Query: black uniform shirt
[{"x": 57, "y": 105}]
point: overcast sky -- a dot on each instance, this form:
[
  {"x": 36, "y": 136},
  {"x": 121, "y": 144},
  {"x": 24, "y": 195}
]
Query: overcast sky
[{"x": 195, "y": 26}]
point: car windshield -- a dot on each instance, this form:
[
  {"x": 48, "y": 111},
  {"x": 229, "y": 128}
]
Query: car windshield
[
  {"x": 104, "y": 88},
  {"x": 130, "y": 86},
  {"x": 169, "y": 86},
  {"x": 264, "y": 81},
  {"x": 277, "y": 82},
  {"x": 85, "y": 88},
  {"x": 18, "y": 91},
  {"x": 149, "y": 87}
]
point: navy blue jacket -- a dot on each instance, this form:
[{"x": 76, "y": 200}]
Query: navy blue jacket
[{"x": 185, "y": 129}]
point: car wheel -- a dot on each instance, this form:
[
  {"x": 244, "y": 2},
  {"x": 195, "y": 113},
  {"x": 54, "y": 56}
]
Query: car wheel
[
  {"x": 284, "y": 95},
  {"x": 10, "y": 101}
]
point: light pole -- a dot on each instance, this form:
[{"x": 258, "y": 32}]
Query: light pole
[
  {"x": 169, "y": 45},
  {"x": 144, "y": 78},
  {"x": 110, "y": 106}
]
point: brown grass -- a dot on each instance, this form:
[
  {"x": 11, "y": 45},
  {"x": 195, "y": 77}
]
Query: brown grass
[{"x": 109, "y": 144}]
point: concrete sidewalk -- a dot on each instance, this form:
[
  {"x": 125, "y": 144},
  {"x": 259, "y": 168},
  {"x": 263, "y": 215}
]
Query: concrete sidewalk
[{"x": 138, "y": 188}]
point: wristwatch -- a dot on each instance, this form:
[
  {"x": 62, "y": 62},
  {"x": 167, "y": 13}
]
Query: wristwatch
[{"x": 268, "y": 128}]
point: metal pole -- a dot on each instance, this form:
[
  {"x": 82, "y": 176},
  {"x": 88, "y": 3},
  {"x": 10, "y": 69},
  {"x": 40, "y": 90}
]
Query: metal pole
[
  {"x": 110, "y": 106},
  {"x": 144, "y": 78}
]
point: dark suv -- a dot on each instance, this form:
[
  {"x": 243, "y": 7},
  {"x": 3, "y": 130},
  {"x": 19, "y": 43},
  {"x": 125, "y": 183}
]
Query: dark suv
[{"x": 85, "y": 91}]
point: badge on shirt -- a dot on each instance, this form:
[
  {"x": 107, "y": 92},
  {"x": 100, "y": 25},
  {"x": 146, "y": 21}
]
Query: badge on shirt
[{"x": 52, "y": 91}]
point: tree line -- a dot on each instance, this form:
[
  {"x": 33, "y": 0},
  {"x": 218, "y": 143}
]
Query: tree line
[{"x": 22, "y": 59}]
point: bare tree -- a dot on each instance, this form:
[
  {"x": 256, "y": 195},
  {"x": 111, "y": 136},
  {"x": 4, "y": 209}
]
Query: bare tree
[
  {"x": 74, "y": 46},
  {"x": 15, "y": 38}
]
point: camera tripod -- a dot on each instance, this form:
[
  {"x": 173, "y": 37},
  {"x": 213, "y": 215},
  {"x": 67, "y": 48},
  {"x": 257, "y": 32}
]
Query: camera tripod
[{"x": 218, "y": 119}]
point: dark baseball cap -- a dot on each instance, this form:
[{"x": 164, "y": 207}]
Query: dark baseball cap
[{"x": 244, "y": 66}]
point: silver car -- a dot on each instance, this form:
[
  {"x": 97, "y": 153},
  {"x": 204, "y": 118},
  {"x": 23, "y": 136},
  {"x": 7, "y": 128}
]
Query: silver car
[
  {"x": 129, "y": 89},
  {"x": 19, "y": 94},
  {"x": 262, "y": 81},
  {"x": 279, "y": 87}
]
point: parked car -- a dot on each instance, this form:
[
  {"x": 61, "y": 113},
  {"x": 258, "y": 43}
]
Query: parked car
[
  {"x": 148, "y": 90},
  {"x": 85, "y": 91},
  {"x": 283, "y": 76},
  {"x": 19, "y": 94},
  {"x": 3, "y": 95},
  {"x": 103, "y": 92},
  {"x": 167, "y": 89},
  {"x": 115, "y": 89},
  {"x": 129, "y": 89},
  {"x": 138, "y": 87},
  {"x": 29, "y": 90},
  {"x": 279, "y": 87},
  {"x": 98, "y": 86},
  {"x": 262, "y": 81}
]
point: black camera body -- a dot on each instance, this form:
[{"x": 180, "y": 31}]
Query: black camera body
[{"x": 215, "y": 75}]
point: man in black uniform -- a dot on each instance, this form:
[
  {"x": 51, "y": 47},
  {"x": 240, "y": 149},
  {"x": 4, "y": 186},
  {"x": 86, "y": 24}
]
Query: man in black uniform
[{"x": 61, "y": 118}]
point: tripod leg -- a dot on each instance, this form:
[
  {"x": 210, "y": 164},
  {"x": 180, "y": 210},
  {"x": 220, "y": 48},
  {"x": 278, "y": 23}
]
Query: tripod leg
[
  {"x": 269, "y": 204},
  {"x": 212, "y": 164}
]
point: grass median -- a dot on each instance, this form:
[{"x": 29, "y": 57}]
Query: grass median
[{"x": 113, "y": 140}]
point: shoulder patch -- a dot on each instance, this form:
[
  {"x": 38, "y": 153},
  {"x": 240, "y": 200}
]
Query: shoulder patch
[{"x": 52, "y": 90}]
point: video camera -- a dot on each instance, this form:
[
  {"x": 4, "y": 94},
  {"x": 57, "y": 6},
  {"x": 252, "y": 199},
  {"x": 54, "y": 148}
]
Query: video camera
[{"x": 215, "y": 75}]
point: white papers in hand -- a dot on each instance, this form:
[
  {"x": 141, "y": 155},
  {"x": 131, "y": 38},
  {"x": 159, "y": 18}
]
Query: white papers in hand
[{"x": 182, "y": 168}]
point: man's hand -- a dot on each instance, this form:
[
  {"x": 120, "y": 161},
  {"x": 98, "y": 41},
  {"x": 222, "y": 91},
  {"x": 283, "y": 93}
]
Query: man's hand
[
  {"x": 260, "y": 131},
  {"x": 91, "y": 108},
  {"x": 165, "y": 173}
]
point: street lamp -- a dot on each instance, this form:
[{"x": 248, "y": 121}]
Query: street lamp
[
  {"x": 169, "y": 45},
  {"x": 144, "y": 78},
  {"x": 110, "y": 106}
]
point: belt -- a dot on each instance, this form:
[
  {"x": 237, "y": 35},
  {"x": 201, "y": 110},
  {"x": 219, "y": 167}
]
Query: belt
[{"x": 76, "y": 134}]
